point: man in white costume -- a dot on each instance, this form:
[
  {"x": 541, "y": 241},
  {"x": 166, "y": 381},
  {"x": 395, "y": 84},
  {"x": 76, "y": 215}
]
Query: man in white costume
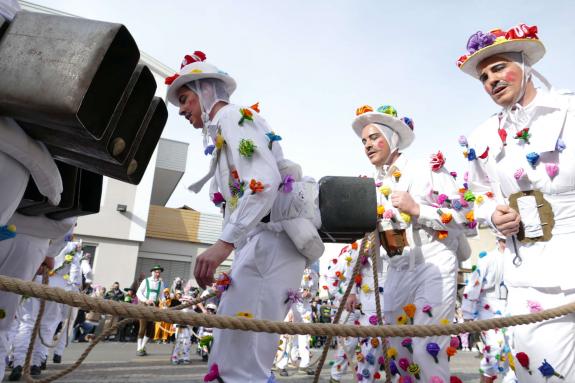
[
  {"x": 422, "y": 220},
  {"x": 527, "y": 162},
  {"x": 251, "y": 178},
  {"x": 485, "y": 297},
  {"x": 20, "y": 157},
  {"x": 301, "y": 309},
  {"x": 149, "y": 293}
]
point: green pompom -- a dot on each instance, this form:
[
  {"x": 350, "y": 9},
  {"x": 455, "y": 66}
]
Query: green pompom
[{"x": 247, "y": 148}]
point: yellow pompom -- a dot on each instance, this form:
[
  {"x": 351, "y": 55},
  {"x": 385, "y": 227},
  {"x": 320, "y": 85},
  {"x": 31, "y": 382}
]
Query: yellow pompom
[
  {"x": 380, "y": 209},
  {"x": 405, "y": 217},
  {"x": 385, "y": 190},
  {"x": 11, "y": 228}
]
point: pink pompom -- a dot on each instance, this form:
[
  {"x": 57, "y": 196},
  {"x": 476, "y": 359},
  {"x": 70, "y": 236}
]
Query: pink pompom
[{"x": 552, "y": 169}]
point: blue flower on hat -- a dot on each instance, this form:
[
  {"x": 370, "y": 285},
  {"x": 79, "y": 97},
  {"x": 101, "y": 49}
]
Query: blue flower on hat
[
  {"x": 209, "y": 149},
  {"x": 387, "y": 109},
  {"x": 532, "y": 158},
  {"x": 408, "y": 121}
]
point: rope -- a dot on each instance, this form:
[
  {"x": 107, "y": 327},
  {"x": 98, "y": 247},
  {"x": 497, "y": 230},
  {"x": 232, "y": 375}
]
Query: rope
[
  {"x": 84, "y": 355},
  {"x": 337, "y": 316},
  {"x": 100, "y": 305},
  {"x": 373, "y": 244}
]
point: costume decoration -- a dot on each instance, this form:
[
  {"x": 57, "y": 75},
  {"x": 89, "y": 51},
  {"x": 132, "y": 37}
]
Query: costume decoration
[
  {"x": 256, "y": 186},
  {"x": 436, "y": 379},
  {"x": 219, "y": 141},
  {"x": 170, "y": 79},
  {"x": 523, "y": 360},
  {"x": 560, "y": 145},
  {"x": 519, "y": 173},
  {"x": 7, "y": 232},
  {"x": 410, "y": 311},
  {"x": 437, "y": 161},
  {"x": 392, "y": 353},
  {"x": 523, "y": 135},
  {"x": 552, "y": 169},
  {"x": 273, "y": 138},
  {"x": 548, "y": 371},
  {"x": 223, "y": 282},
  {"x": 534, "y": 307},
  {"x": 402, "y": 319},
  {"x": 414, "y": 370},
  {"x": 387, "y": 109},
  {"x": 218, "y": 199},
  {"x": 245, "y": 314},
  {"x": 287, "y": 184},
  {"x": 209, "y": 150},
  {"x": 403, "y": 364},
  {"x": 433, "y": 349},
  {"x": 454, "y": 379},
  {"x": 427, "y": 309},
  {"x": 533, "y": 159},
  {"x": 247, "y": 148},
  {"x": 363, "y": 109},
  {"x": 293, "y": 296},
  {"x": 408, "y": 344},
  {"x": 450, "y": 351},
  {"x": 213, "y": 374},
  {"x": 246, "y": 115}
]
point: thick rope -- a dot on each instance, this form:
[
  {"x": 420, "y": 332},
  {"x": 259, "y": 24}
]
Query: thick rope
[
  {"x": 93, "y": 344},
  {"x": 373, "y": 247},
  {"x": 337, "y": 316},
  {"x": 100, "y": 305}
]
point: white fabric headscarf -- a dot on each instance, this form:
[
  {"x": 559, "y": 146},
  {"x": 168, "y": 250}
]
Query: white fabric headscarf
[{"x": 392, "y": 139}]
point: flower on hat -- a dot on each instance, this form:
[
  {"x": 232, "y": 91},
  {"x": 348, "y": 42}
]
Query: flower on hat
[
  {"x": 363, "y": 109},
  {"x": 479, "y": 40},
  {"x": 437, "y": 161},
  {"x": 247, "y": 147},
  {"x": 194, "y": 57},
  {"x": 523, "y": 135},
  {"x": 170, "y": 79},
  {"x": 408, "y": 121},
  {"x": 387, "y": 109}
]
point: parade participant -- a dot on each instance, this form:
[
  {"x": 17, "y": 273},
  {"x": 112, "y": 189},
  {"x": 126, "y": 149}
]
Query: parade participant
[
  {"x": 484, "y": 297},
  {"x": 251, "y": 180},
  {"x": 206, "y": 334},
  {"x": 523, "y": 158},
  {"x": 149, "y": 294},
  {"x": 301, "y": 310},
  {"x": 163, "y": 330},
  {"x": 423, "y": 217},
  {"x": 20, "y": 158}
]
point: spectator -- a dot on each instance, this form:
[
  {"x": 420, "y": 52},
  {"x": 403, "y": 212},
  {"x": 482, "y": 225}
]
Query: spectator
[{"x": 115, "y": 293}]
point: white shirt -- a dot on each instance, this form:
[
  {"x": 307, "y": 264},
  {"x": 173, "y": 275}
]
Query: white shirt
[
  {"x": 550, "y": 117},
  {"x": 155, "y": 292},
  {"x": 309, "y": 282},
  {"x": 262, "y": 166}
]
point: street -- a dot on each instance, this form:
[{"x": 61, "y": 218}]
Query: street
[{"x": 114, "y": 362}]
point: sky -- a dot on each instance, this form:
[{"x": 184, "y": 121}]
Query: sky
[{"x": 310, "y": 64}]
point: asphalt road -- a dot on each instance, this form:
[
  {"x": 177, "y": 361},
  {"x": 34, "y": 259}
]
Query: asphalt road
[{"x": 113, "y": 362}]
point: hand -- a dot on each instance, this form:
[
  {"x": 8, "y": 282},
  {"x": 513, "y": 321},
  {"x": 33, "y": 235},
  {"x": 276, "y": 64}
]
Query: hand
[
  {"x": 150, "y": 302},
  {"x": 403, "y": 201},
  {"x": 351, "y": 302},
  {"x": 49, "y": 263},
  {"x": 209, "y": 260},
  {"x": 306, "y": 294},
  {"x": 506, "y": 220}
]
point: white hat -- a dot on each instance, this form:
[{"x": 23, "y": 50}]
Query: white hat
[
  {"x": 480, "y": 46},
  {"x": 385, "y": 115},
  {"x": 194, "y": 67},
  {"x": 211, "y": 306}
]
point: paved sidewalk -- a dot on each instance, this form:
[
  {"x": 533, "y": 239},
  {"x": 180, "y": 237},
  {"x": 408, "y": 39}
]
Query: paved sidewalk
[{"x": 113, "y": 362}]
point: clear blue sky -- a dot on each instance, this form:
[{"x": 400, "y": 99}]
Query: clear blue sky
[{"x": 311, "y": 63}]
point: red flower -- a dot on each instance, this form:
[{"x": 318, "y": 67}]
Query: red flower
[
  {"x": 437, "y": 161},
  {"x": 171, "y": 79},
  {"x": 255, "y": 107},
  {"x": 486, "y": 307},
  {"x": 489, "y": 194},
  {"x": 523, "y": 360},
  {"x": 194, "y": 57},
  {"x": 503, "y": 135},
  {"x": 357, "y": 279},
  {"x": 484, "y": 154},
  {"x": 522, "y": 31},
  {"x": 256, "y": 186},
  {"x": 454, "y": 379}
]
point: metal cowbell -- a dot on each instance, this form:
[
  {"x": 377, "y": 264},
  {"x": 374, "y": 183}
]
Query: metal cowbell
[
  {"x": 64, "y": 73},
  {"x": 88, "y": 195},
  {"x": 137, "y": 157},
  {"x": 348, "y": 207},
  {"x": 122, "y": 129}
]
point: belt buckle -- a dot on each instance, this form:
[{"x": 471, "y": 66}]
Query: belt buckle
[{"x": 545, "y": 214}]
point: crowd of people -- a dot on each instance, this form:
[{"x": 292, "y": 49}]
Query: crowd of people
[{"x": 519, "y": 183}]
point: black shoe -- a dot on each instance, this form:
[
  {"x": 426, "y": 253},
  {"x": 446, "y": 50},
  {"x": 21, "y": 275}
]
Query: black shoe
[
  {"x": 16, "y": 374},
  {"x": 283, "y": 372},
  {"x": 43, "y": 365},
  {"x": 35, "y": 370},
  {"x": 57, "y": 358}
]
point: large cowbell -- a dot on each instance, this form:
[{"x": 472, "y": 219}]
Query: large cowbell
[
  {"x": 81, "y": 196},
  {"x": 76, "y": 85},
  {"x": 348, "y": 208}
]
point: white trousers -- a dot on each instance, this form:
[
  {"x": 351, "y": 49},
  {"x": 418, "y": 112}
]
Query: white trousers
[
  {"x": 345, "y": 350},
  {"x": 30, "y": 307},
  {"x": 552, "y": 340},
  {"x": 182, "y": 344},
  {"x": 301, "y": 314},
  {"x": 66, "y": 312},
  {"x": 20, "y": 258},
  {"x": 263, "y": 271},
  {"x": 430, "y": 283}
]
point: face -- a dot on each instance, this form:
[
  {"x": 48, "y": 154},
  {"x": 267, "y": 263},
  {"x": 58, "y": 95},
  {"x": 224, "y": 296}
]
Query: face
[
  {"x": 116, "y": 286},
  {"x": 501, "y": 79},
  {"x": 190, "y": 107},
  {"x": 375, "y": 145},
  {"x": 156, "y": 274}
]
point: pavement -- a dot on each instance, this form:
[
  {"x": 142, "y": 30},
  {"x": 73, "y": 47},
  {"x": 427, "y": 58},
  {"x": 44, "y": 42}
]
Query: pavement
[{"x": 114, "y": 362}]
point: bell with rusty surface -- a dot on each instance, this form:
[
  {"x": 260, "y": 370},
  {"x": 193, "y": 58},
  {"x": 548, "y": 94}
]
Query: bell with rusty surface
[
  {"x": 137, "y": 156},
  {"x": 348, "y": 207},
  {"x": 122, "y": 128}
]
